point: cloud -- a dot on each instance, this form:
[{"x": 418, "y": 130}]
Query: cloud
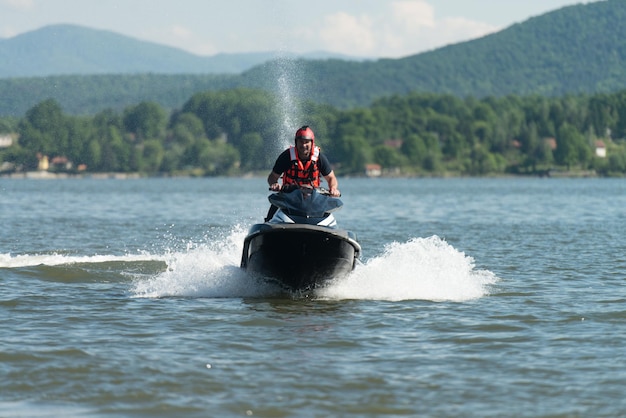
[
  {"x": 178, "y": 33},
  {"x": 413, "y": 14},
  {"x": 7, "y": 32},
  {"x": 203, "y": 48},
  {"x": 353, "y": 35},
  {"x": 459, "y": 28},
  {"x": 18, "y": 5},
  {"x": 405, "y": 27}
]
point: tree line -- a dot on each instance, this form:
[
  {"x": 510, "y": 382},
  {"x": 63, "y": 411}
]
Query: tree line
[{"x": 239, "y": 131}]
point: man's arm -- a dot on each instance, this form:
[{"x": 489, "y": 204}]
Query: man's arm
[
  {"x": 272, "y": 180},
  {"x": 333, "y": 184},
  {"x": 277, "y": 171}
]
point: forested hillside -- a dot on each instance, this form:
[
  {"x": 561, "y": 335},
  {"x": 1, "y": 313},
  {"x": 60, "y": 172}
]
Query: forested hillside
[
  {"x": 90, "y": 94},
  {"x": 240, "y": 131},
  {"x": 576, "y": 49}
]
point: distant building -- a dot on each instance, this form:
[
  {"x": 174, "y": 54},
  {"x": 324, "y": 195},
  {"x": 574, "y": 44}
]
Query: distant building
[
  {"x": 58, "y": 163},
  {"x": 44, "y": 163},
  {"x": 373, "y": 170},
  {"x": 61, "y": 163},
  {"x": 394, "y": 143},
  {"x": 600, "y": 149},
  {"x": 6, "y": 141}
]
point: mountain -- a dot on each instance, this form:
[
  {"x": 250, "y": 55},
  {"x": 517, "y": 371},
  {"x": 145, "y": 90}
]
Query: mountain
[
  {"x": 76, "y": 50},
  {"x": 574, "y": 50}
]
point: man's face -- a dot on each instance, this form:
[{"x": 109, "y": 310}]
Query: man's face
[{"x": 304, "y": 147}]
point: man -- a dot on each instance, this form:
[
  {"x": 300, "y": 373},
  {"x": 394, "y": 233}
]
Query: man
[{"x": 302, "y": 165}]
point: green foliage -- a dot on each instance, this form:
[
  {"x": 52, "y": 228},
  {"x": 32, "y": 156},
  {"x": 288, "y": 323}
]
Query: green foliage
[
  {"x": 572, "y": 148},
  {"x": 145, "y": 121},
  {"x": 245, "y": 119},
  {"x": 233, "y": 132},
  {"x": 90, "y": 94},
  {"x": 8, "y": 124}
]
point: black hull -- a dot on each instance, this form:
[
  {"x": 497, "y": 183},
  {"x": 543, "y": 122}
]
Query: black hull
[{"x": 299, "y": 257}]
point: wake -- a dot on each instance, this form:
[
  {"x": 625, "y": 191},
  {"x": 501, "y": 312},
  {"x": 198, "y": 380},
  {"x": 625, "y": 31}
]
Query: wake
[
  {"x": 422, "y": 268},
  {"x": 59, "y": 259},
  {"x": 419, "y": 269}
]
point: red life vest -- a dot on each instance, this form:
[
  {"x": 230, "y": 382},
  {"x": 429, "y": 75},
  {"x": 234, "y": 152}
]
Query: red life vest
[{"x": 303, "y": 173}]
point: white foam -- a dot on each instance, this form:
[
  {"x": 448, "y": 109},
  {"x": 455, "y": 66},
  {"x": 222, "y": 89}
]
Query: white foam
[
  {"x": 206, "y": 270},
  {"x": 56, "y": 259},
  {"x": 420, "y": 269}
]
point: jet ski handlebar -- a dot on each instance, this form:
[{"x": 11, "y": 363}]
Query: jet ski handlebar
[{"x": 291, "y": 187}]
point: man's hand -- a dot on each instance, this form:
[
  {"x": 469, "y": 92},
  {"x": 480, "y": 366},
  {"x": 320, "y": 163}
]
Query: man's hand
[
  {"x": 334, "y": 192},
  {"x": 275, "y": 187}
]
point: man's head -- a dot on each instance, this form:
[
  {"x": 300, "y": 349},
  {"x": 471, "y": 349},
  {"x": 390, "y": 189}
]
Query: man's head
[{"x": 305, "y": 141}]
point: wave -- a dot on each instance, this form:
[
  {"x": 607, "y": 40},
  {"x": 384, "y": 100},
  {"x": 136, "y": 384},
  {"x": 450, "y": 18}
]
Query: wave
[
  {"x": 58, "y": 259},
  {"x": 419, "y": 269}
]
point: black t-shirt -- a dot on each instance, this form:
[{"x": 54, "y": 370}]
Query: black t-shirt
[{"x": 283, "y": 163}]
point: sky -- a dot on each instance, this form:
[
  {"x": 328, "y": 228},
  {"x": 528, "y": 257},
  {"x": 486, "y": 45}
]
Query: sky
[{"x": 358, "y": 28}]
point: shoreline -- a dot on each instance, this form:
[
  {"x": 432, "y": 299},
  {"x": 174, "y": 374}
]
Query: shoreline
[{"x": 46, "y": 175}]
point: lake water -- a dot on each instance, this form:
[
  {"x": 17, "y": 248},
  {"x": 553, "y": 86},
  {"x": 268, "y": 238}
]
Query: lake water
[{"x": 476, "y": 297}]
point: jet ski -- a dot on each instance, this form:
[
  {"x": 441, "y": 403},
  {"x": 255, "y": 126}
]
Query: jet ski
[{"x": 301, "y": 247}]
